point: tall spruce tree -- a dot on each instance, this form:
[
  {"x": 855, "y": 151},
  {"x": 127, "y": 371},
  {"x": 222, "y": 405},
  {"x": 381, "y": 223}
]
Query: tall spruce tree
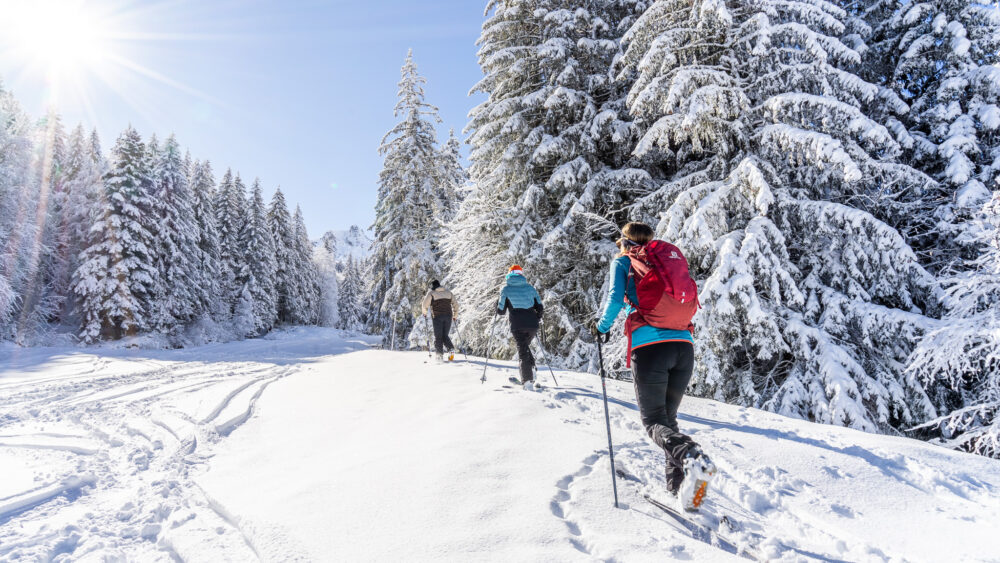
[
  {"x": 209, "y": 252},
  {"x": 939, "y": 57},
  {"x": 48, "y": 266},
  {"x": 454, "y": 179},
  {"x": 811, "y": 304},
  {"x": 959, "y": 362},
  {"x": 405, "y": 249},
  {"x": 177, "y": 254},
  {"x": 282, "y": 232},
  {"x": 230, "y": 214},
  {"x": 97, "y": 154},
  {"x": 17, "y": 207},
  {"x": 550, "y": 160},
  {"x": 325, "y": 259},
  {"x": 118, "y": 273},
  {"x": 83, "y": 188},
  {"x": 259, "y": 261},
  {"x": 349, "y": 297},
  {"x": 307, "y": 287}
]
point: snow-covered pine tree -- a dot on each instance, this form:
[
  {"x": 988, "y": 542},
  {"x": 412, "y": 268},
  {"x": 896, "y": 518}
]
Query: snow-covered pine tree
[
  {"x": 325, "y": 260},
  {"x": 49, "y": 263},
  {"x": 405, "y": 251},
  {"x": 454, "y": 179},
  {"x": 97, "y": 154},
  {"x": 940, "y": 58},
  {"x": 329, "y": 242},
  {"x": 259, "y": 262},
  {"x": 152, "y": 161},
  {"x": 369, "y": 302},
  {"x": 285, "y": 276},
  {"x": 230, "y": 214},
  {"x": 959, "y": 362},
  {"x": 550, "y": 161},
  {"x": 307, "y": 286},
  {"x": 811, "y": 304},
  {"x": 349, "y": 297},
  {"x": 83, "y": 187},
  {"x": 118, "y": 273},
  {"x": 209, "y": 253},
  {"x": 17, "y": 209},
  {"x": 244, "y": 319},
  {"x": 177, "y": 254}
]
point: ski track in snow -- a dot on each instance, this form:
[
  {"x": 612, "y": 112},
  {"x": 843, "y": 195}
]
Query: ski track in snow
[
  {"x": 125, "y": 446},
  {"x": 778, "y": 515},
  {"x": 104, "y": 452}
]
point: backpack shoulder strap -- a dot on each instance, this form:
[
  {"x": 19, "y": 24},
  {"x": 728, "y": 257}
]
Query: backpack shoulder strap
[{"x": 639, "y": 261}]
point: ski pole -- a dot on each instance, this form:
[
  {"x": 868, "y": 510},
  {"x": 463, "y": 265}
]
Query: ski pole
[
  {"x": 607, "y": 421},
  {"x": 430, "y": 328},
  {"x": 489, "y": 343},
  {"x": 458, "y": 334},
  {"x": 541, "y": 346}
]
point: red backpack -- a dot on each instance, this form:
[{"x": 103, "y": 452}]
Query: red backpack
[{"x": 668, "y": 296}]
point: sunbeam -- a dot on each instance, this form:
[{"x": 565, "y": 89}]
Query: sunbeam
[{"x": 75, "y": 46}]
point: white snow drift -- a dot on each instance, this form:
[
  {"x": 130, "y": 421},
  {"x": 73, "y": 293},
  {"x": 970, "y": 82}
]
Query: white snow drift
[{"x": 281, "y": 449}]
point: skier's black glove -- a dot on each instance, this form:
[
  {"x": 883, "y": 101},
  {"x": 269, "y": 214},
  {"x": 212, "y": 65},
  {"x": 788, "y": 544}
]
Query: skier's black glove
[{"x": 603, "y": 337}]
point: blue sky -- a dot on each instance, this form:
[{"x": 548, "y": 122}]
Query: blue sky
[{"x": 298, "y": 93}]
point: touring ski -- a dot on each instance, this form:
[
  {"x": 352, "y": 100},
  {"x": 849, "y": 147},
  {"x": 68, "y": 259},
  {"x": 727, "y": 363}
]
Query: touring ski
[
  {"x": 684, "y": 523},
  {"x": 703, "y": 533}
]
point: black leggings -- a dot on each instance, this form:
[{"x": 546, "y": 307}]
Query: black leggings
[
  {"x": 523, "y": 338},
  {"x": 661, "y": 373},
  {"x": 442, "y": 326}
]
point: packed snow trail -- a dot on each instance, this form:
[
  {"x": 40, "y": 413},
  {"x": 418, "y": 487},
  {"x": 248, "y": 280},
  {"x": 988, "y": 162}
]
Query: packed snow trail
[
  {"x": 98, "y": 446},
  {"x": 281, "y": 449}
]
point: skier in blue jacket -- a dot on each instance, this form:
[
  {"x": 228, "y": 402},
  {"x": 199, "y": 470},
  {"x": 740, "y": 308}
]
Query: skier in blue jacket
[{"x": 525, "y": 306}]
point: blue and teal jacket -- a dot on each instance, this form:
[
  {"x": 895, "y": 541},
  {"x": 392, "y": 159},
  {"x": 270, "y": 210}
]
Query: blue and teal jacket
[
  {"x": 523, "y": 302},
  {"x": 621, "y": 284}
]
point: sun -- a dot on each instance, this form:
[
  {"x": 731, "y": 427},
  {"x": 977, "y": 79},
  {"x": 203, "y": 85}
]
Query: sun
[
  {"x": 82, "y": 51},
  {"x": 62, "y": 40},
  {"x": 57, "y": 35}
]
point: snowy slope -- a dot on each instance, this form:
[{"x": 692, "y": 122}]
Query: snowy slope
[
  {"x": 354, "y": 242},
  {"x": 291, "y": 449}
]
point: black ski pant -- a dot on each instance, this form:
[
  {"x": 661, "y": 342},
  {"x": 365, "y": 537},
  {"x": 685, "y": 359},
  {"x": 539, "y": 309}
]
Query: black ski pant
[
  {"x": 523, "y": 338},
  {"x": 442, "y": 326},
  {"x": 661, "y": 373}
]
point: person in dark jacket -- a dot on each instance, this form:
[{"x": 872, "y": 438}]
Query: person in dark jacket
[
  {"x": 444, "y": 309},
  {"x": 525, "y": 310}
]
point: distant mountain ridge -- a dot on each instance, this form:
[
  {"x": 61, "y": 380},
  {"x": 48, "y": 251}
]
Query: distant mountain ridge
[{"x": 354, "y": 242}]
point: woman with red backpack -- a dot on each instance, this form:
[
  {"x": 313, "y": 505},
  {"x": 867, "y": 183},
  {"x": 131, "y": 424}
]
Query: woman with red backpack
[{"x": 651, "y": 278}]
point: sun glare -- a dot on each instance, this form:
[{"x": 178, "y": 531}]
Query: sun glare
[
  {"x": 79, "y": 50},
  {"x": 57, "y": 38},
  {"x": 63, "y": 41}
]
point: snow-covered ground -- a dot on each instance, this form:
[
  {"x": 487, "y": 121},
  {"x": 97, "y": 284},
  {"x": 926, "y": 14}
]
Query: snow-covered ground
[{"x": 307, "y": 445}]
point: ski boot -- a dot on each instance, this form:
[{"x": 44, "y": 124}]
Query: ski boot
[
  {"x": 698, "y": 473},
  {"x": 451, "y": 356},
  {"x": 439, "y": 357}
]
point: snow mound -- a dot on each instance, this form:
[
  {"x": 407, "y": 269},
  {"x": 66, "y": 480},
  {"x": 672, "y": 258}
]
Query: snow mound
[{"x": 308, "y": 445}]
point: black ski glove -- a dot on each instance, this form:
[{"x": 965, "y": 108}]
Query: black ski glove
[{"x": 603, "y": 337}]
